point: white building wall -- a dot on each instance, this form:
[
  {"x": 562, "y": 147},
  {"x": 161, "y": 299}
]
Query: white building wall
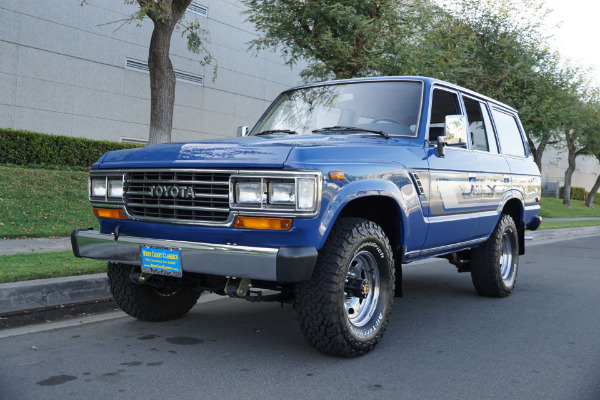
[
  {"x": 555, "y": 163},
  {"x": 62, "y": 71}
]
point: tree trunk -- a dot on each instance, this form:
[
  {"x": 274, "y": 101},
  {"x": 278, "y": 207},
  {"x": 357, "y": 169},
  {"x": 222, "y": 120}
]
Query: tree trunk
[
  {"x": 570, "y": 170},
  {"x": 590, "y": 200},
  {"x": 165, "y": 14},
  {"x": 162, "y": 84},
  {"x": 538, "y": 152}
]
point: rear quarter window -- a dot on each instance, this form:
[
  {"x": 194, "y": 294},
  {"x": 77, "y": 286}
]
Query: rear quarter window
[{"x": 509, "y": 134}]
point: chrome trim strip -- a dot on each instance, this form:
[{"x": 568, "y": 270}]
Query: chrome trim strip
[
  {"x": 223, "y": 183},
  {"x": 227, "y": 223},
  {"x": 532, "y": 207},
  {"x": 169, "y": 207},
  {"x": 458, "y": 217},
  {"x": 122, "y": 171},
  {"x": 444, "y": 249},
  {"x": 196, "y": 195}
]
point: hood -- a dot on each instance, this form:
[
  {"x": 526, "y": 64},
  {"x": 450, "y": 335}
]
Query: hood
[
  {"x": 231, "y": 152},
  {"x": 250, "y": 151}
]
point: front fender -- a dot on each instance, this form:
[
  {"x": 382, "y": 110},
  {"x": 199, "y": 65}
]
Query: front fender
[{"x": 395, "y": 185}]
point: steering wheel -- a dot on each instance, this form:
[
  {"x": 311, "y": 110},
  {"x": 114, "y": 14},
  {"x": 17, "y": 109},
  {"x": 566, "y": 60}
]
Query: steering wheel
[{"x": 391, "y": 120}]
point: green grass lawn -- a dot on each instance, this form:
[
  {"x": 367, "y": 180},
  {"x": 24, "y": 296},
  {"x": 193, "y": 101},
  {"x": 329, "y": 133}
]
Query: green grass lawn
[
  {"x": 43, "y": 203},
  {"x": 546, "y": 224},
  {"x": 22, "y": 267},
  {"x": 553, "y": 208}
]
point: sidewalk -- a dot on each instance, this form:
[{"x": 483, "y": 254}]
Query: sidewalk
[
  {"x": 37, "y": 245},
  {"x": 42, "y": 293}
]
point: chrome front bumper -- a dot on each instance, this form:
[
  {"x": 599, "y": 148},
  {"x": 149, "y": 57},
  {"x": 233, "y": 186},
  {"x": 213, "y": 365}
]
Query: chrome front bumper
[{"x": 284, "y": 265}]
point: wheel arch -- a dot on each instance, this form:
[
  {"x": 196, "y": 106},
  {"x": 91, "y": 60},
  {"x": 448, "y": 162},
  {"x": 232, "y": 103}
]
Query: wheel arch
[
  {"x": 514, "y": 207},
  {"x": 384, "y": 211}
]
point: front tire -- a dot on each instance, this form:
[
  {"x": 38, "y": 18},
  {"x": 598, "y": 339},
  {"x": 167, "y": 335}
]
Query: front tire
[
  {"x": 344, "y": 307},
  {"x": 495, "y": 263},
  {"x": 145, "y": 302}
]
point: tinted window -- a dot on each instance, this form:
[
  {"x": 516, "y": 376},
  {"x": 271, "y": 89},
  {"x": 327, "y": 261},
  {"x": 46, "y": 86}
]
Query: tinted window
[
  {"x": 392, "y": 107},
  {"x": 476, "y": 124},
  {"x": 489, "y": 129},
  {"x": 508, "y": 133},
  {"x": 442, "y": 103}
]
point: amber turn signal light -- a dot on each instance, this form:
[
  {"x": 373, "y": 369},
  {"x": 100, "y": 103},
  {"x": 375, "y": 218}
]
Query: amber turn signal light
[
  {"x": 336, "y": 174},
  {"x": 275, "y": 224},
  {"x": 112, "y": 213}
]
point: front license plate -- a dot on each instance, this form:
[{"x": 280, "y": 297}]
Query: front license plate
[{"x": 161, "y": 261}]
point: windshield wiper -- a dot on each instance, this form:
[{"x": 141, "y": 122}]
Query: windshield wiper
[
  {"x": 277, "y": 131},
  {"x": 350, "y": 128}
]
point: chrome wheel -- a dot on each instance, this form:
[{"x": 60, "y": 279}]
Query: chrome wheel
[
  {"x": 361, "y": 289},
  {"x": 507, "y": 269}
]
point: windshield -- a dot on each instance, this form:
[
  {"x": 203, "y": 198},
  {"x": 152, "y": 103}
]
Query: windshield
[{"x": 388, "y": 108}]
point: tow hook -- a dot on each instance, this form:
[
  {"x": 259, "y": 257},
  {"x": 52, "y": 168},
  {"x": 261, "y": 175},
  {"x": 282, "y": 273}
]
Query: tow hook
[
  {"x": 357, "y": 288},
  {"x": 139, "y": 277},
  {"x": 237, "y": 288}
]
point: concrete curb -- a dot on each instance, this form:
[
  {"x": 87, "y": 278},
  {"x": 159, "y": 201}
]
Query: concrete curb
[
  {"x": 564, "y": 234},
  {"x": 42, "y": 293}
]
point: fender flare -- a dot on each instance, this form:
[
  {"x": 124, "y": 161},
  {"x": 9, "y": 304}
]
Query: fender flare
[{"x": 401, "y": 191}]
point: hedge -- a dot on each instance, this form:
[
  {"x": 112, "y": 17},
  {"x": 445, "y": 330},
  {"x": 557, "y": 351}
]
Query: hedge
[
  {"x": 25, "y": 148},
  {"x": 577, "y": 193}
]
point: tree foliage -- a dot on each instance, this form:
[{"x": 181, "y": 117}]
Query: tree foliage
[{"x": 338, "y": 39}]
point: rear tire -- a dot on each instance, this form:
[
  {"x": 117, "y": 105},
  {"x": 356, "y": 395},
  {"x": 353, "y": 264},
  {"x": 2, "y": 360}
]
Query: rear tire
[
  {"x": 146, "y": 302},
  {"x": 495, "y": 263},
  {"x": 344, "y": 307}
]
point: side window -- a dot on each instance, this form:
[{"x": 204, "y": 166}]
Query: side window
[
  {"x": 511, "y": 142},
  {"x": 476, "y": 124},
  {"x": 442, "y": 103},
  {"x": 489, "y": 129}
]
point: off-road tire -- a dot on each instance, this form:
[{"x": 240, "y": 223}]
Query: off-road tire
[
  {"x": 145, "y": 302},
  {"x": 325, "y": 311},
  {"x": 495, "y": 263}
]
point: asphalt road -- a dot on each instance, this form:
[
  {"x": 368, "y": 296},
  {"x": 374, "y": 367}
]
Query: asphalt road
[{"x": 443, "y": 342}]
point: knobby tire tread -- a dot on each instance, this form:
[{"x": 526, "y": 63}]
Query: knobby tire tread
[
  {"x": 485, "y": 272},
  {"x": 321, "y": 313},
  {"x": 142, "y": 302}
]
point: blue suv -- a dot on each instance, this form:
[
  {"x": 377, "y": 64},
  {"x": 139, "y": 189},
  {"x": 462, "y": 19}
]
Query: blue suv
[{"x": 336, "y": 187}]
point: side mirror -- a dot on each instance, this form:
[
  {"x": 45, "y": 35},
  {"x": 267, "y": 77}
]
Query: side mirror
[
  {"x": 455, "y": 132},
  {"x": 455, "y": 129},
  {"x": 242, "y": 130}
]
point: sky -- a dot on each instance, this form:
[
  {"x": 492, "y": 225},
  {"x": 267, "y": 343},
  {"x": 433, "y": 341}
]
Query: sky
[{"x": 577, "y": 38}]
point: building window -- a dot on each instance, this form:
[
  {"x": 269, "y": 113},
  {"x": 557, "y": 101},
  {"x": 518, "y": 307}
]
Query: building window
[
  {"x": 198, "y": 9},
  {"x": 142, "y": 66},
  {"x": 133, "y": 140}
]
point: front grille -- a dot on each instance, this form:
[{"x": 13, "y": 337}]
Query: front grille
[{"x": 185, "y": 196}]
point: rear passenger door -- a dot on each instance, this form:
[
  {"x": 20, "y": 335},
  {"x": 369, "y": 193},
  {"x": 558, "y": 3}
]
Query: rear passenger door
[
  {"x": 453, "y": 187},
  {"x": 493, "y": 175},
  {"x": 524, "y": 173}
]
